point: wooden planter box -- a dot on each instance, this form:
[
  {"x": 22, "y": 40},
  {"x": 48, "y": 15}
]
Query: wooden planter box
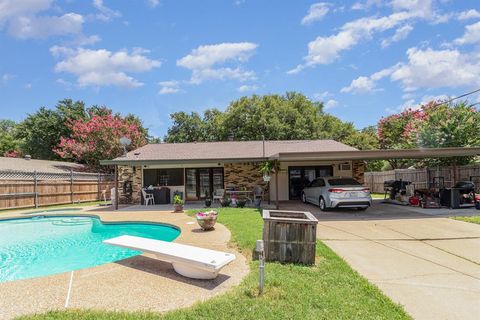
[{"x": 289, "y": 236}]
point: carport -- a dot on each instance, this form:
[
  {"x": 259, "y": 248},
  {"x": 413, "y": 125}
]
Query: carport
[
  {"x": 364, "y": 155},
  {"x": 420, "y": 258}
]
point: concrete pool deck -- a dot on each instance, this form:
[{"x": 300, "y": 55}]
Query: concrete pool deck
[{"x": 140, "y": 283}]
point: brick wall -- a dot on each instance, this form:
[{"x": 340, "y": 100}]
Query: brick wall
[
  {"x": 358, "y": 170},
  {"x": 244, "y": 175},
  {"x": 130, "y": 173}
]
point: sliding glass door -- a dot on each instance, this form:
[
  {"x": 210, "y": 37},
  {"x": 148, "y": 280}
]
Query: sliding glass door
[{"x": 201, "y": 182}]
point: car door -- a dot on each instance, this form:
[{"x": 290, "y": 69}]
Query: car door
[
  {"x": 311, "y": 191},
  {"x": 319, "y": 190}
]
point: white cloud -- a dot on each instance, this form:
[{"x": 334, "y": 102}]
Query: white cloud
[
  {"x": 467, "y": 15},
  {"x": 437, "y": 68},
  {"x": 368, "y": 84},
  {"x": 400, "y": 34},
  {"x": 28, "y": 86},
  {"x": 200, "y": 75},
  {"x": 246, "y": 88},
  {"x": 426, "y": 68},
  {"x": 366, "y": 4},
  {"x": 330, "y": 104},
  {"x": 360, "y": 85},
  {"x": 206, "y": 56},
  {"x": 153, "y": 3},
  {"x": 102, "y": 67},
  {"x": 169, "y": 87},
  {"x": 168, "y": 90},
  {"x": 22, "y": 19},
  {"x": 10, "y": 9},
  {"x": 327, "y": 49},
  {"x": 6, "y": 77},
  {"x": 471, "y": 35},
  {"x": 202, "y": 61},
  {"x": 316, "y": 12},
  {"x": 44, "y": 27},
  {"x": 106, "y": 14}
]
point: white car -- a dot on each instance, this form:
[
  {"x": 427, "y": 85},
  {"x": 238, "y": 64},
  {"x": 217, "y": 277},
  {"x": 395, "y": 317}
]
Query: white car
[{"x": 333, "y": 192}]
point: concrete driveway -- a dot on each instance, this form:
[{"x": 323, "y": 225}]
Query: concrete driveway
[{"x": 428, "y": 264}]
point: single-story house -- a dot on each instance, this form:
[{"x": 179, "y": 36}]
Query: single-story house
[{"x": 198, "y": 169}]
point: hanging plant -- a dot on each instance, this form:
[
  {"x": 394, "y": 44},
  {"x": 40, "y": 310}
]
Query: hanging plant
[{"x": 269, "y": 167}]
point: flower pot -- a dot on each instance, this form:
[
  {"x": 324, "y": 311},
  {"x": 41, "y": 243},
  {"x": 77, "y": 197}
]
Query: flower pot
[
  {"x": 208, "y": 203},
  {"x": 207, "y": 223},
  {"x": 257, "y": 202},
  {"x": 241, "y": 203},
  {"x": 178, "y": 207},
  {"x": 225, "y": 202},
  {"x": 206, "y": 220}
]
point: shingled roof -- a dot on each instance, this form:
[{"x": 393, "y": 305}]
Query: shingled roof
[
  {"x": 46, "y": 166},
  {"x": 226, "y": 150}
]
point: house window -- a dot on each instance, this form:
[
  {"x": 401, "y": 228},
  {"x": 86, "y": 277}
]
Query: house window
[{"x": 162, "y": 177}]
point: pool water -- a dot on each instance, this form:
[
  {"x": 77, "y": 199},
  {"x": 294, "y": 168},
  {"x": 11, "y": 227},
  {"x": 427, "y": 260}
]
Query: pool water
[{"x": 40, "y": 246}]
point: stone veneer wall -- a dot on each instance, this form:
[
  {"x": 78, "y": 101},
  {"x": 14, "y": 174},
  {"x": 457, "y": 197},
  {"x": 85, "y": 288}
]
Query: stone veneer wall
[
  {"x": 358, "y": 170},
  {"x": 244, "y": 175},
  {"x": 126, "y": 173}
]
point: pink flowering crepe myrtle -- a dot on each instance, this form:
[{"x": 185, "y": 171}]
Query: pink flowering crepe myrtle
[{"x": 98, "y": 138}]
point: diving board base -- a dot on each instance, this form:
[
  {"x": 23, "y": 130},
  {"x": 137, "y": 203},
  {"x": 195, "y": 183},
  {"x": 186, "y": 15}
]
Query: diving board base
[{"x": 194, "y": 273}]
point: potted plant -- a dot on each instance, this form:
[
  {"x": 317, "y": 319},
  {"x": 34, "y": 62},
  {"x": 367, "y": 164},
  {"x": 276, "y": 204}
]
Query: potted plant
[
  {"x": 241, "y": 203},
  {"x": 225, "y": 202},
  {"x": 208, "y": 200},
  {"x": 178, "y": 203},
  {"x": 206, "y": 220}
]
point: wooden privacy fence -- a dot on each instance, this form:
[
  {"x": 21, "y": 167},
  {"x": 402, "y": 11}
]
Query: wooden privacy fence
[
  {"x": 426, "y": 177},
  {"x": 21, "y": 189}
]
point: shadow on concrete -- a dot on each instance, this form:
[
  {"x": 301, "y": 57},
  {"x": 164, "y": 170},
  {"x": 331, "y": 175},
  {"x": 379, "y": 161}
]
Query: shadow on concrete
[
  {"x": 378, "y": 211},
  {"x": 165, "y": 269}
]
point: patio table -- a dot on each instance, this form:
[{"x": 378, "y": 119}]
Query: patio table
[{"x": 245, "y": 193}]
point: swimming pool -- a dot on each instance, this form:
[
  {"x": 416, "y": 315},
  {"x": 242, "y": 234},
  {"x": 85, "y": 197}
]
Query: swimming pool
[{"x": 44, "y": 245}]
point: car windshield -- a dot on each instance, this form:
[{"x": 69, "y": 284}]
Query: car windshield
[{"x": 343, "y": 182}]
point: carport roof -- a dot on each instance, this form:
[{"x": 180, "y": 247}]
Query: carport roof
[{"x": 377, "y": 154}]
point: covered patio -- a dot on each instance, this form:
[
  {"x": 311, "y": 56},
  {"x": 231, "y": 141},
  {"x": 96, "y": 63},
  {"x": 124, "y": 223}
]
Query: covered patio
[{"x": 197, "y": 179}]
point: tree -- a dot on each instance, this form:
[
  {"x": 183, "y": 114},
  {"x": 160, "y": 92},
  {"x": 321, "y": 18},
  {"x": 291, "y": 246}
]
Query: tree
[
  {"x": 434, "y": 125},
  {"x": 98, "y": 137},
  {"x": 445, "y": 126},
  {"x": 41, "y": 131},
  {"x": 185, "y": 128},
  {"x": 9, "y": 145},
  {"x": 366, "y": 139}
]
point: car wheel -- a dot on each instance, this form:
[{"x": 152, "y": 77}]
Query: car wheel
[
  {"x": 322, "y": 204},
  {"x": 304, "y": 198},
  {"x": 362, "y": 208}
]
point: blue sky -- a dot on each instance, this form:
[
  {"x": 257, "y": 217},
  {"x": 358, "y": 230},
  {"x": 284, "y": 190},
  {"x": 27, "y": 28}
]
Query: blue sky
[{"x": 364, "y": 59}]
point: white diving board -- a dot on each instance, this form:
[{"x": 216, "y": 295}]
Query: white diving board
[{"x": 189, "y": 261}]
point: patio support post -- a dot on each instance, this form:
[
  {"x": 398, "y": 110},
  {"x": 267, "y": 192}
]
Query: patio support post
[
  {"x": 277, "y": 206},
  {"x": 116, "y": 188}
]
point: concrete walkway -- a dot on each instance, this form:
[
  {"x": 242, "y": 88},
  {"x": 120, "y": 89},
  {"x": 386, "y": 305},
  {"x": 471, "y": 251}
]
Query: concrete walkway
[
  {"x": 429, "y": 265},
  {"x": 137, "y": 283}
]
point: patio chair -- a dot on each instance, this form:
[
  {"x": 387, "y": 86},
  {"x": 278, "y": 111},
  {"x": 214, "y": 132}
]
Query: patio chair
[
  {"x": 147, "y": 197},
  {"x": 218, "y": 194},
  {"x": 257, "y": 193}
]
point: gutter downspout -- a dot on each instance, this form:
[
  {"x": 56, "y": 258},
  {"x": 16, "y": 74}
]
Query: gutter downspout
[
  {"x": 115, "y": 205},
  {"x": 277, "y": 206}
]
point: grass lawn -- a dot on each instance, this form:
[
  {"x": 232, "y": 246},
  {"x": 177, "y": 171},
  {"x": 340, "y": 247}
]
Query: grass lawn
[
  {"x": 473, "y": 219},
  {"x": 57, "y": 206},
  {"x": 328, "y": 290}
]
